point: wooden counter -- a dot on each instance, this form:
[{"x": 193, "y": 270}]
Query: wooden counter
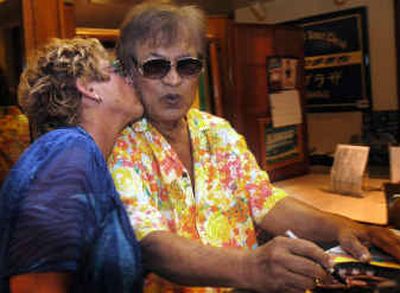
[{"x": 314, "y": 190}]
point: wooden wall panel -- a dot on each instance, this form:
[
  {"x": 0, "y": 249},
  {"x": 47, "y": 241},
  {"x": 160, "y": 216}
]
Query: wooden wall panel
[
  {"x": 219, "y": 29},
  {"x": 42, "y": 20},
  {"x": 69, "y": 20},
  {"x": 253, "y": 44},
  {"x": 397, "y": 35}
]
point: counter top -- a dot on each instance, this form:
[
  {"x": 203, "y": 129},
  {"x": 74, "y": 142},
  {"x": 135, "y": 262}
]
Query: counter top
[{"x": 314, "y": 190}]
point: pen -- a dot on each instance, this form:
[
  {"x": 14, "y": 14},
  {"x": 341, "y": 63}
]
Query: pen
[
  {"x": 334, "y": 273},
  {"x": 290, "y": 234}
]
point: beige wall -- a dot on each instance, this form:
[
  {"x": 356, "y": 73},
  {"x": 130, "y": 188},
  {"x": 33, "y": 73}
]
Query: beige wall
[{"x": 325, "y": 130}]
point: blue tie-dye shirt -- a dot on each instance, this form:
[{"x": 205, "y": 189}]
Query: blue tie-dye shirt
[{"x": 60, "y": 212}]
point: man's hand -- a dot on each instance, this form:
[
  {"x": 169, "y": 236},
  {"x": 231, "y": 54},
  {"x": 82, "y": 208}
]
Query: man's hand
[
  {"x": 356, "y": 238},
  {"x": 321, "y": 227},
  {"x": 286, "y": 265}
]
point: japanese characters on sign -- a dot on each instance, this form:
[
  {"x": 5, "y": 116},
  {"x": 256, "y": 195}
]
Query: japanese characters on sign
[{"x": 336, "y": 61}]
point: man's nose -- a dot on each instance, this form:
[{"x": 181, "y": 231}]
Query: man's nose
[{"x": 172, "y": 78}]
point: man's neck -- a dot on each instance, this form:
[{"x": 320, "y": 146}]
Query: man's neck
[{"x": 172, "y": 131}]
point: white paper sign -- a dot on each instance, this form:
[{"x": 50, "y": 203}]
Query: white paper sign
[
  {"x": 348, "y": 169},
  {"x": 394, "y": 164},
  {"x": 285, "y": 108}
]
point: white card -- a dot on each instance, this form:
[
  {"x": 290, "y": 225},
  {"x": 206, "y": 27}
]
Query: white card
[
  {"x": 348, "y": 169},
  {"x": 285, "y": 108}
]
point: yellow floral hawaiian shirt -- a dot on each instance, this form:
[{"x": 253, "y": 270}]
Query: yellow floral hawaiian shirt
[{"x": 231, "y": 192}]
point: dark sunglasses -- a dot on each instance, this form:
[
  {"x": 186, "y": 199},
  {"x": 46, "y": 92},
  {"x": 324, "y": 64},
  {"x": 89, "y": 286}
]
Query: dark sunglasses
[{"x": 159, "y": 68}]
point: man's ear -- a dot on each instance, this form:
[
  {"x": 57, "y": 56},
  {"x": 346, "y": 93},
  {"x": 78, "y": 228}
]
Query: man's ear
[{"x": 85, "y": 88}]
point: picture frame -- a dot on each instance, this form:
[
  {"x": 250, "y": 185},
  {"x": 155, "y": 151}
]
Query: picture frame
[
  {"x": 280, "y": 146},
  {"x": 336, "y": 53},
  {"x": 282, "y": 73}
]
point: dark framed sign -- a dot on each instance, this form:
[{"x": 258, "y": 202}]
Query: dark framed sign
[
  {"x": 280, "y": 146},
  {"x": 337, "y": 76}
]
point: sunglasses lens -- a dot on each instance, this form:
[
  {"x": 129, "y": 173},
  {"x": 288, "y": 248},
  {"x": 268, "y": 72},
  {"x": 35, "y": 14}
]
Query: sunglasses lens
[
  {"x": 189, "y": 66},
  {"x": 156, "y": 68}
]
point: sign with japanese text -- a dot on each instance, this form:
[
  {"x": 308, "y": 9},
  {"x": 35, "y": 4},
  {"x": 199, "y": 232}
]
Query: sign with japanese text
[{"x": 336, "y": 61}]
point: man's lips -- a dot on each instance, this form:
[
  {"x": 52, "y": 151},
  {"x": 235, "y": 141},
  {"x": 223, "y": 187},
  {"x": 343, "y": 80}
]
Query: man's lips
[{"x": 172, "y": 99}]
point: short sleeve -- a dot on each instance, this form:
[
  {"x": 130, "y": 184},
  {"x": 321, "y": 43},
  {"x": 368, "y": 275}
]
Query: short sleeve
[
  {"x": 262, "y": 194},
  {"x": 135, "y": 192},
  {"x": 54, "y": 223}
]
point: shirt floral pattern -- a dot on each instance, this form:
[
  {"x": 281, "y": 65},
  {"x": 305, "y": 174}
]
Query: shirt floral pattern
[{"x": 231, "y": 192}]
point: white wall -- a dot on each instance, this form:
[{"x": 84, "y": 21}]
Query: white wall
[{"x": 381, "y": 31}]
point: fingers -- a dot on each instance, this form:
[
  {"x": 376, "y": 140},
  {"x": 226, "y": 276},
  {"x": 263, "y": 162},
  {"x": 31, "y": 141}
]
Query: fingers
[
  {"x": 383, "y": 238},
  {"x": 386, "y": 240},
  {"x": 352, "y": 244},
  {"x": 311, "y": 251},
  {"x": 300, "y": 273},
  {"x": 298, "y": 283},
  {"x": 305, "y": 267},
  {"x": 294, "y": 263}
]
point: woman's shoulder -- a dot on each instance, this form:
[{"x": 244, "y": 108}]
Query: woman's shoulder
[
  {"x": 61, "y": 144},
  {"x": 63, "y": 139},
  {"x": 55, "y": 150},
  {"x": 62, "y": 136}
]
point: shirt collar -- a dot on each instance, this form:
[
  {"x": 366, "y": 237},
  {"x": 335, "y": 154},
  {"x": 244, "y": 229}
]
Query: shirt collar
[
  {"x": 141, "y": 126},
  {"x": 194, "y": 118}
]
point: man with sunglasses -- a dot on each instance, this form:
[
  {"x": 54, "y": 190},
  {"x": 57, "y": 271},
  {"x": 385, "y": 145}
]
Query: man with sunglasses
[{"x": 193, "y": 190}]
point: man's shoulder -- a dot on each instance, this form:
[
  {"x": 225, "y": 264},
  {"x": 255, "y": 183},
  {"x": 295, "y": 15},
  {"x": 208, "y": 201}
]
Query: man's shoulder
[
  {"x": 206, "y": 121},
  {"x": 216, "y": 128}
]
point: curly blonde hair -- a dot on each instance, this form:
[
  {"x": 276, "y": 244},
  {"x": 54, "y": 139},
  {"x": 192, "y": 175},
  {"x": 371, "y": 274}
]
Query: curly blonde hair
[{"x": 47, "y": 90}]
